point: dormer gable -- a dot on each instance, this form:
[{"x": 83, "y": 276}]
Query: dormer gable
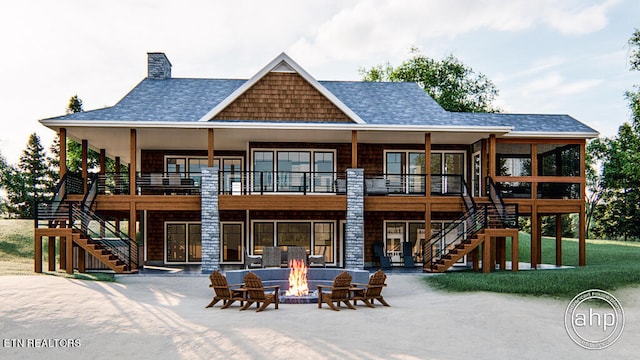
[{"x": 282, "y": 91}]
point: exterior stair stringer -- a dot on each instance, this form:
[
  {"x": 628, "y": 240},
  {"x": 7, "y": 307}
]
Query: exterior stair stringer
[{"x": 457, "y": 253}]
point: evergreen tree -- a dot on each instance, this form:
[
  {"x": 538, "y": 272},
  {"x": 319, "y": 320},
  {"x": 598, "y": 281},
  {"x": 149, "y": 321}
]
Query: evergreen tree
[{"x": 30, "y": 181}]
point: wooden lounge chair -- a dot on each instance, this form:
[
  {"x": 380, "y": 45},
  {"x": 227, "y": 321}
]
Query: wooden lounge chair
[
  {"x": 223, "y": 291},
  {"x": 255, "y": 292},
  {"x": 370, "y": 292},
  {"x": 338, "y": 292}
]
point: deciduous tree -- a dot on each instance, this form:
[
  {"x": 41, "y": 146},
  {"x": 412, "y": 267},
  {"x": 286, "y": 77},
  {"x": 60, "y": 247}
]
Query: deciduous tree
[{"x": 452, "y": 84}]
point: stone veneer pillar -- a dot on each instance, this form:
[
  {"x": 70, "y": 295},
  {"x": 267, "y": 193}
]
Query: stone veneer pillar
[
  {"x": 210, "y": 217},
  {"x": 354, "y": 238}
]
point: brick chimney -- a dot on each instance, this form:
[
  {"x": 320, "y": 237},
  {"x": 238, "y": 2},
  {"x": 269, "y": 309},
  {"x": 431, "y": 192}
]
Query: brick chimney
[{"x": 158, "y": 66}]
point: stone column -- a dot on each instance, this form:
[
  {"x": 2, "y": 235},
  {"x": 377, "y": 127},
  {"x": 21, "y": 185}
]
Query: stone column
[
  {"x": 210, "y": 220},
  {"x": 354, "y": 238}
]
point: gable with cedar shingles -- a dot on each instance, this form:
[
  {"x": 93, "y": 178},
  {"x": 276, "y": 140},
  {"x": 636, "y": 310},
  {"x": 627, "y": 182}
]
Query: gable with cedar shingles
[{"x": 283, "y": 96}]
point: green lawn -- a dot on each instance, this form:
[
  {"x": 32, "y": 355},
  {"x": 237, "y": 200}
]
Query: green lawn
[
  {"x": 610, "y": 265},
  {"x": 16, "y": 252}
]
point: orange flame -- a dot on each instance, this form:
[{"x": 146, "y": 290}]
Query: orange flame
[{"x": 298, "y": 285}]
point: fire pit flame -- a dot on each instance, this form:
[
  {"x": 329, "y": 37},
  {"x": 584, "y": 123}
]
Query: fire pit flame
[{"x": 298, "y": 285}]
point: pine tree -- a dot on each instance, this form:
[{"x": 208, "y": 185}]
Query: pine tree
[{"x": 30, "y": 181}]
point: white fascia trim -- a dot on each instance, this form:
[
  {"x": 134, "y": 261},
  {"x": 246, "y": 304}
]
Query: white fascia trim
[
  {"x": 543, "y": 134},
  {"x": 271, "y": 126},
  {"x": 272, "y": 65}
]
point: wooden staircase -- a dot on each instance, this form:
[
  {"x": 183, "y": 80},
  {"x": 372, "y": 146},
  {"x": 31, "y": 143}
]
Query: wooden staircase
[
  {"x": 101, "y": 253},
  {"x": 456, "y": 253}
]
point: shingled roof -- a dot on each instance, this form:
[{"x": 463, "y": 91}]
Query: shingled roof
[{"x": 178, "y": 100}]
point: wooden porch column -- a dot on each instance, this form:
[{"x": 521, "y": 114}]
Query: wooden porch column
[
  {"x": 52, "y": 252},
  {"x": 37, "y": 254},
  {"x": 582, "y": 230},
  {"x": 558, "y": 239},
  {"x": 354, "y": 149},
  {"x": 133, "y": 163},
  {"x": 62, "y": 245},
  {"x": 85, "y": 167},
  {"x": 63, "y": 152},
  {"x": 69, "y": 251},
  {"x": 427, "y": 165},
  {"x": 515, "y": 256},
  {"x": 210, "y": 147},
  {"x": 534, "y": 236},
  {"x": 582, "y": 242},
  {"x": 117, "y": 178},
  {"x": 103, "y": 161},
  {"x": 492, "y": 156},
  {"x": 486, "y": 255}
]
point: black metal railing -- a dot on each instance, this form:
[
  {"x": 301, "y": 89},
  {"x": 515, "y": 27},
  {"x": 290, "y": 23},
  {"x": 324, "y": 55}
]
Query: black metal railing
[
  {"x": 508, "y": 212},
  {"x": 300, "y": 182},
  {"x": 92, "y": 191},
  {"x": 413, "y": 184},
  {"x": 168, "y": 183},
  {"x": 467, "y": 199},
  {"x": 101, "y": 231},
  {"x": 454, "y": 234},
  {"x": 56, "y": 209},
  {"x": 74, "y": 183},
  {"x": 113, "y": 184}
]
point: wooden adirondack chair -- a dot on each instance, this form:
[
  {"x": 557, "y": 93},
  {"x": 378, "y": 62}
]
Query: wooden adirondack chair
[
  {"x": 370, "y": 292},
  {"x": 223, "y": 291},
  {"x": 338, "y": 292},
  {"x": 255, "y": 292}
]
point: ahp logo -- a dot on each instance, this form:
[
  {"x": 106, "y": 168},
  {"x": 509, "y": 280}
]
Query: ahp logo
[{"x": 594, "y": 319}]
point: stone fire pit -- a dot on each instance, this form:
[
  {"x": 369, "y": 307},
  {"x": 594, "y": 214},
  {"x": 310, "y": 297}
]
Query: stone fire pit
[{"x": 280, "y": 276}]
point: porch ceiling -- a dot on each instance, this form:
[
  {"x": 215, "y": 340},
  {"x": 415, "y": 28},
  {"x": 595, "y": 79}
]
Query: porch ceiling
[{"x": 116, "y": 140}]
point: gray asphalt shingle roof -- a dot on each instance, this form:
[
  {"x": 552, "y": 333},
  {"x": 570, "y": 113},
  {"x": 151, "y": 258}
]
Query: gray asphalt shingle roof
[{"x": 377, "y": 103}]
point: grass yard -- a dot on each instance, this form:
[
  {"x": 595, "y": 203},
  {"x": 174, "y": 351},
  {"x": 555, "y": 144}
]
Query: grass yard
[
  {"x": 610, "y": 265},
  {"x": 16, "y": 252}
]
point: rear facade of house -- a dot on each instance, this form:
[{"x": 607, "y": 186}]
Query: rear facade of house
[{"x": 210, "y": 171}]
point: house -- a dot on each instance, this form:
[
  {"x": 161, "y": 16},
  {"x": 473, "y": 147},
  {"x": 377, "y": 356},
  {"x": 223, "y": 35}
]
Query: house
[{"x": 219, "y": 169}]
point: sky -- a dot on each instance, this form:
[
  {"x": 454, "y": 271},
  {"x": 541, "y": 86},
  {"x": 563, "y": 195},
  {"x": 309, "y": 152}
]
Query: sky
[{"x": 544, "y": 56}]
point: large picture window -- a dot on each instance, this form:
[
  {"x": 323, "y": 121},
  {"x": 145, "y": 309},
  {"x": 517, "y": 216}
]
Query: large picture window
[
  {"x": 317, "y": 237},
  {"x": 405, "y": 172},
  {"x": 293, "y": 170}
]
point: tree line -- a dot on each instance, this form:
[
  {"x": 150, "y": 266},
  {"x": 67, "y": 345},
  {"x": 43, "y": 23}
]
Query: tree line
[{"x": 613, "y": 173}]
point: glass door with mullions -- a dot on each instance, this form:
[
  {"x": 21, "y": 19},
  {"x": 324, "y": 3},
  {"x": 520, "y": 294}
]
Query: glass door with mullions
[{"x": 183, "y": 242}]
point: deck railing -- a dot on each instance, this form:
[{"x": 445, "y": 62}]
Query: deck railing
[{"x": 265, "y": 182}]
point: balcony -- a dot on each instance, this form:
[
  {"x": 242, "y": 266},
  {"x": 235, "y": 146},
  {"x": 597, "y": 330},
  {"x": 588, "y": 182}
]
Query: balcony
[{"x": 279, "y": 182}]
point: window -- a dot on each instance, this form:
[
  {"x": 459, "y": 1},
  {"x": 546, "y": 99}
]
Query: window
[
  {"x": 317, "y": 237},
  {"x": 294, "y": 171},
  {"x": 323, "y": 240},
  {"x": 183, "y": 242},
  {"x": 513, "y": 159},
  {"x": 231, "y": 237},
  {"x": 397, "y": 233},
  {"x": 558, "y": 160},
  {"x": 262, "y": 236},
  {"x": 294, "y": 234},
  {"x": 405, "y": 172}
]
